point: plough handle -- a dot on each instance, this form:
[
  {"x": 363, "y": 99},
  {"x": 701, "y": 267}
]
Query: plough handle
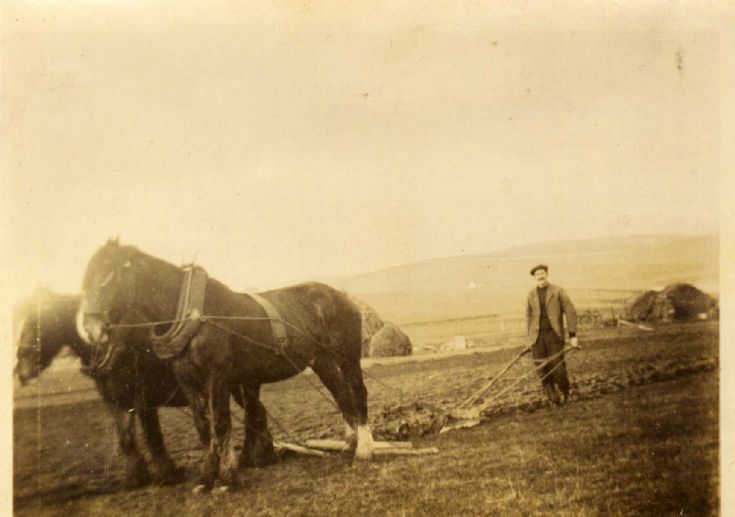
[{"x": 479, "y": 393}]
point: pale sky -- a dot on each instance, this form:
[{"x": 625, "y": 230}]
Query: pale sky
[{"x": 311, "y": 139}]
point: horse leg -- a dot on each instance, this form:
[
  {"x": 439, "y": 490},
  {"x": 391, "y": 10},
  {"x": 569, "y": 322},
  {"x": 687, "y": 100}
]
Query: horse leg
[
  {"x": 151, "y": 425},
  {"x": 346, "y": 343},
  {"x": 257, "y": 451},
  {"x": 201, "y": 421},
  {"x": 136, "y": 472},
  {"x": 220, "y": 457},
  {"x": 352, "y": 374},
  {"x": 197, "y": 403},
  {"x": 331, "y": 376}
]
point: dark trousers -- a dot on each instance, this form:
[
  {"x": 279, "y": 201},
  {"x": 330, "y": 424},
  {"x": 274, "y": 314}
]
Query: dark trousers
[{"x": 555, "y": 372}]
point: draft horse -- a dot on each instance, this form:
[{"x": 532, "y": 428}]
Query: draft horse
[
  {"x": 234, "y": 346},
  {"x": 130, "y": 383}
]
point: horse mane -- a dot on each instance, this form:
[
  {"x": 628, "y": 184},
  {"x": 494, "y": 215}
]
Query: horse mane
[
  {"x": 43, "y": 299},
  {"x": 153, "y": 262}
]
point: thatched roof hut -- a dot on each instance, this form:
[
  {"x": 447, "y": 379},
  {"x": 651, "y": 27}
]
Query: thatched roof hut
[
  {"x": 688, "y": 301},
  {"x": 389, "y": 341},
  {"x": 677, "y": 302}
]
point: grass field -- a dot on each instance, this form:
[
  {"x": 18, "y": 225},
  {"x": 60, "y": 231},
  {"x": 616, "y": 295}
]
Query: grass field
[{"x": 640, "y": 438}]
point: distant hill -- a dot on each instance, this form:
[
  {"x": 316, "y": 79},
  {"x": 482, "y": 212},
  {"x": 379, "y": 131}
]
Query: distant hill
[{"x": 595, "y": 272}]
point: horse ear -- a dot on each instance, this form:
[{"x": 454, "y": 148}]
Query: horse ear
[{"x": 113, "y": 242}]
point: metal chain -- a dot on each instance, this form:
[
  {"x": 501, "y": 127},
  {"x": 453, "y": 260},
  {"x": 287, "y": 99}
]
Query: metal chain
[
  {"x": 202, "y": 317},
  {"x": 275, "y": 350},
  {"x": 210, "y": 319},
  {"x": 147, "y": 324}
]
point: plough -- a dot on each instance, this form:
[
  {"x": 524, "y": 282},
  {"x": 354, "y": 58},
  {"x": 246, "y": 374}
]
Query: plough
[
  {"x": 321, "y": 448},
  {"x": 464, "y": 415}
]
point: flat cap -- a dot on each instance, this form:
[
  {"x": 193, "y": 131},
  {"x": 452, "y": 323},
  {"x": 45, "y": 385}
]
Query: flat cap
[{"x": 540, "y": 266}]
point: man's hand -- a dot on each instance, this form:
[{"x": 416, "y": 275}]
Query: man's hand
[{"x": 573, "y": 342}]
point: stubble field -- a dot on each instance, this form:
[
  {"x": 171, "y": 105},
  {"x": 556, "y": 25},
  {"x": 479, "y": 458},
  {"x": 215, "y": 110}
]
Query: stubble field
[{"x": 639, "y": 437}]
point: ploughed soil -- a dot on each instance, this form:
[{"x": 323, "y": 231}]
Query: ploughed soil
[{"x": 640, "y": 436}]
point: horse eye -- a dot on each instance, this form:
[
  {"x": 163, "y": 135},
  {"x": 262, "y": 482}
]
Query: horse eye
[{"x": 28, "y": 350}]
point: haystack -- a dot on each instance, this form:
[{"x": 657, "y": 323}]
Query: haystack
[
  {"x": 389, "y": 341},
  {"x": 642, "y": 307},
  {"x": 371, "y": 323}
]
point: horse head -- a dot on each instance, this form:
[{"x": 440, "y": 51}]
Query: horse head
[
  {"x": 37, "y": 341},
  {"x": 124, "y": 290},
  {"x": 108, "y": 289}
]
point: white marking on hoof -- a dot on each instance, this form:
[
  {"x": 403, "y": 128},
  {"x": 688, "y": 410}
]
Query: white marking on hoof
[
  {"x": 349, "y": 433},
  {"x": 222, "y": 489},
  {"x": 199, "y": 489},
  {"x": 364, "y": 449}
]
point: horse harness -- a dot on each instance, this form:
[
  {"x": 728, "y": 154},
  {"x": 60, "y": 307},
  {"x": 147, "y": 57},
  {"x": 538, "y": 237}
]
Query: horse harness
[{"x": 190, "y": 317}]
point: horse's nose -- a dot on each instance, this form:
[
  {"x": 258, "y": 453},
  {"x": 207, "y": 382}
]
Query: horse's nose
[
  {"x": 96, "y": 328},
  {"x": 22, "y": 378}
]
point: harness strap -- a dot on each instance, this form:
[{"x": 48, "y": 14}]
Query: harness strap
[
  {"x": 188, "y": 314},
  {"x": 280, "y": 338}
]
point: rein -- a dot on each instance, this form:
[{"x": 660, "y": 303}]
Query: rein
[
  {"x": 279, "y": 349},
  {"x": 190, "y": 316},
  {"x": 205, "y": 318}
]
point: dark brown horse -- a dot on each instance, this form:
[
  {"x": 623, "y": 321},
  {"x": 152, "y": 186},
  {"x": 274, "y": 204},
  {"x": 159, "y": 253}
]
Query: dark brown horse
[
  {"x": 130, "y": 384},
  {"x": 235, "y": 345}
]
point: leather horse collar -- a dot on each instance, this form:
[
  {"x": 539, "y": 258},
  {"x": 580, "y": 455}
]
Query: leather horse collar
[{"x": 190, "y": 316}]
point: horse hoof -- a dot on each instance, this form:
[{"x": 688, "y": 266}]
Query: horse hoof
[
  {"x": 135, "y": 484},
  {"x": 223, "y": 489},
  {"x": 200, "y": 489},
  {"x": 363, "y": 454},
  {"x": 170, "y": 477},
  {"x": 138, "y": 480}
]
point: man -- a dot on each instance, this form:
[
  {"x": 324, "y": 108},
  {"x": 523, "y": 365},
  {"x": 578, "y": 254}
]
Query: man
[{"x": 547, "y": 305}]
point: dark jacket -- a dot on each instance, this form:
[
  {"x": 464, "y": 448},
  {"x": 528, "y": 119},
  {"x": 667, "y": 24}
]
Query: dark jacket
[{"x": 558, "y": 305}]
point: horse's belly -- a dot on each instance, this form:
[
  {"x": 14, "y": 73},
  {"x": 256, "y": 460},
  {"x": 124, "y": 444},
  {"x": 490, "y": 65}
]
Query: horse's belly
[{"x": 260, "y": 369}]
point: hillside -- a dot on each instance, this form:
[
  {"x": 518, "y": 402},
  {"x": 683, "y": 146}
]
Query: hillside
[{"x": 595, "y": 272}]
